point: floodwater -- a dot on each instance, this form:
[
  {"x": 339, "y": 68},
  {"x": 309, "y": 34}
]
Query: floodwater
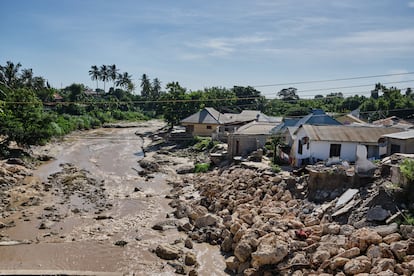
[{"x": 78, "y": 241}]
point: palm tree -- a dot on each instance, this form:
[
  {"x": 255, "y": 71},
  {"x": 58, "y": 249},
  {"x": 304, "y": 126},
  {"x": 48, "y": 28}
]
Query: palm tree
[
  {"x": 95, "y": 74},
  {"x": 113, "y": 73},
  {"x": 10, "y": 73},
  {"x": 104, "y": 74},
  {"x": 124, "y": 80},
  {"x": 27, "y": 77}
]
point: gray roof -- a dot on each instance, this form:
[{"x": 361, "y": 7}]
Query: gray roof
[
  {"x": 251, "y": 115},
  {"x": 207, "y": 115},
  {"x": 256, "y": 128},
  {"x": 347, "y": 133},
  {"x": 401, "y": 135},
  {"x": 317, "y": 117}
]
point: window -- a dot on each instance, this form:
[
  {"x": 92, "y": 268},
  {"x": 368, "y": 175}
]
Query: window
[
  {"x": 395, "y": 148},
  {"x": 335, "y": 150},
  {"x": 208, "y": 127},
  {"x": 300, "y": 146}
]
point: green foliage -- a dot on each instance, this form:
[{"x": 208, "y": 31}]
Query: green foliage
[
  {"x": 407, "y": 168},
  {"x": 202, "y": 167},
  {"x": 203, "y": 143},
  {"x": 275, "y": 168}
]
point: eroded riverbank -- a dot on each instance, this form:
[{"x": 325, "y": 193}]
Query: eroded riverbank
[{"x": 104, "y": 223}]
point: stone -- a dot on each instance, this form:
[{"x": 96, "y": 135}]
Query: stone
[
  {"x": 320, "y": 256},
  {"x": 196, "y": 211},
  {"x": 193, "y": 272},
  {"x": 188, "y": 243},
  {"x": 399, "y": 249},
  {"x": 358, "y": 265},
  {"x": 207, "y": 220},
  {"x": 385, "y": 230},
  {"x": 190, "y": 259},
  {"x": 164, "y": 225},
  {"x": 243, "y": 251},
  {"x": 232, "y": 264},
  {"x": 310, "y": 221},
  {"x": 407, "y": 231},
  {"x": 299, "y": 258},
  {"x": 167, "y": 252},
  {"x": 383, "y": 265},
  {"x": 377, "y": 213},
  {"x": 184, "y": 169},
  {"x": 364, "y": 237},
  {"x": 270, "y": 251},
  {"x": 409, "y": 265},
  {"x": 350, "y": 253},
  {"x": 392, "y": 238},
  {"x": 331, "y": 229},
  {"x": 346, "y": 230},
  {"x": 226, "y": 245},
  {"x": 338, "y": 262}
]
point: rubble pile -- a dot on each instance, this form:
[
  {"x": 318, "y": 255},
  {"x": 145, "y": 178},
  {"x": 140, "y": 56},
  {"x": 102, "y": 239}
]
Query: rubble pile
[{"x": 264, "y": 229}]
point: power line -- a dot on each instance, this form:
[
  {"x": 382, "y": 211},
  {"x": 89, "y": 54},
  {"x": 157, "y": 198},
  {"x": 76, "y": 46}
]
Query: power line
[{"x": 333, "y": 80}]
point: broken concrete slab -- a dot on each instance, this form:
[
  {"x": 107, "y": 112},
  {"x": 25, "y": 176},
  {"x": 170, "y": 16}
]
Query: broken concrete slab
[{"x": 346, "y": 197}]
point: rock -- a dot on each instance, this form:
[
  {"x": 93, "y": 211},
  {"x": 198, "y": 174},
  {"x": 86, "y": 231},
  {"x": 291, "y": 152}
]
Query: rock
[
  {"x": 149, "y": 165},
  {"x": 338, "y": 262},
  {"x": 320, "y": 256},
  {"x": 350, "y": 253},
  {"x": 184, "y": 169},
  {"x": 232, "y": 264},
  {"x": 270, "y": 250},
  {"x": 227, "y": 243},
  {"x": 310, "y": 221},
  {"x": 190, "y": 259},
  {"x": 364, "y": 237},
  {"x": 407, "y": 231},
  {"x": 358, "y": 265},
  {"x": 385, "y": 230},
  {"x": 167, "y": 252},
  {"x": 207, "y": 220},
  {"x": 121, "y": 243},
  {"x": 243, "y": 251},
  {"x": 383, "y": 265},
  {"x": 197, "y": 211},
  {"x": 399, "y": 249},
  {"x": 377, "y": 214},
  {"x": 164, "y": 225},
  {"x": 392, "y": 238},
  {"x": 346, "y": 230},
  {"x": 188, "y": 243},
  {"x": 331, "y": 228},
  {"x": 193, "y": 272}
]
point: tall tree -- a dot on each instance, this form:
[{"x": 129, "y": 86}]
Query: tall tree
[
  {"x": 113, "y": 73},
  {"x": 95, "y": 74},
  {"x": 104, "y": 74},
  {"x": 288, "y": 94},
  {"x": 145, "y": 87},
  {"x": 10, "y": 73},
  {"x": 155, "y": 89},
  {"x": 174, "y": 105},
  {"x": 27, "y": 77},
  {"x": 124, "y": 80}
]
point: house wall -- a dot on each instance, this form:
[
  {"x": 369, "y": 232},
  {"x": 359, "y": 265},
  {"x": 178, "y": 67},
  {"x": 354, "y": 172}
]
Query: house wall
[
  {"x": 406, "y": 145},
  {"x": 246, "y": 144},
  {"x": 202, "y": 129},
  {"x": 320, "y": 150}
]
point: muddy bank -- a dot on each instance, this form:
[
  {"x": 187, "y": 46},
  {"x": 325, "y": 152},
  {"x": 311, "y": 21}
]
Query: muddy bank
[{"x": 89, "y": 209}]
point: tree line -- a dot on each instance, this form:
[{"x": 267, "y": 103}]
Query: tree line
[{"x": 32, "y": 112}]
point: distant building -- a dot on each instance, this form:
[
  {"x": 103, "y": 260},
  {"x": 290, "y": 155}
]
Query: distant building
[{"x": 400, "y": 142}]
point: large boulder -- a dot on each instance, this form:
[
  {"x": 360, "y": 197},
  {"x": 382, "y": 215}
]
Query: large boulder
[
  {"x": 243, "y": 251},
  {"x": 270, "y": 250},
  {"x": 364, "y": 237},
  {"x": 167, "y": 252},
  {"x": 207, "y": 220}
]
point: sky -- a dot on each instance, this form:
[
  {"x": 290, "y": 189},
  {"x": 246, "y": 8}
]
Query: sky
[{"x": 267, "y": 44}]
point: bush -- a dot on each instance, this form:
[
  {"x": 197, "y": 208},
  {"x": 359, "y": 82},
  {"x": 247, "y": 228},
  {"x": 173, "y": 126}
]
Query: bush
[
  {"x": 203, "y": 143},
  {"x": 276, "y": 168},
  {"x": 201, "y": 167},
  {"x": 407, "y": 169}
]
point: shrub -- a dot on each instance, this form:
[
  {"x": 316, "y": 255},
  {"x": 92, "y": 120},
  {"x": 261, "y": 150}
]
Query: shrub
[
  {"x": 407, "y": 169},
  {"x": 275, "y": 168},
  {"x": 202, "y": 167}
]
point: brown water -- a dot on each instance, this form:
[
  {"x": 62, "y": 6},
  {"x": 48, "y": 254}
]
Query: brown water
[{"x": 76, "y": 241}]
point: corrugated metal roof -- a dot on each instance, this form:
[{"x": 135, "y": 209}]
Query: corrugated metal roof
[
  {"x": 401, "y": 135},
  {"x": 347, "y": 133},
  {"x": 255, "y": 128},
  {"x": 207, "y": 115}
]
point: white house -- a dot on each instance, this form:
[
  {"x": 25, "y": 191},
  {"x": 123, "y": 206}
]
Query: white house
[{"x": 314, "y": 143}]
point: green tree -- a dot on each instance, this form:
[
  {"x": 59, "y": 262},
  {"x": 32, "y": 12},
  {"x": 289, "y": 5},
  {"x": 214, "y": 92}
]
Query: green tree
[
  {"x": 156, "y": 89},
  {"x": 104, "y": 74},
  {"x": 27, "y": 78},
  {"x": 174, "y": 105},
  {"x": 248, "y": 97},
  {"x": 145, "y": 87},
  {"x": 10, "y": 73},
  {"x": 288, "y": 94},
  {"x": 95, "y": 74},
  {"x": 124, "y": 80},
  {"x": 113, "y": 73}
]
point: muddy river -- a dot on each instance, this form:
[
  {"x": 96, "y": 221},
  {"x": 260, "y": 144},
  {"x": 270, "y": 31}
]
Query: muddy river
[{"x": 74, "y": 234}]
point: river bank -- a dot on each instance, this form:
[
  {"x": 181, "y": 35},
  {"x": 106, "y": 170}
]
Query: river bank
[{"x": 89, "y": 209}]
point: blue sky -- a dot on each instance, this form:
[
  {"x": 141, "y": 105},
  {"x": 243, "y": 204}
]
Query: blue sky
[{"x": 215, "y": 43}]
